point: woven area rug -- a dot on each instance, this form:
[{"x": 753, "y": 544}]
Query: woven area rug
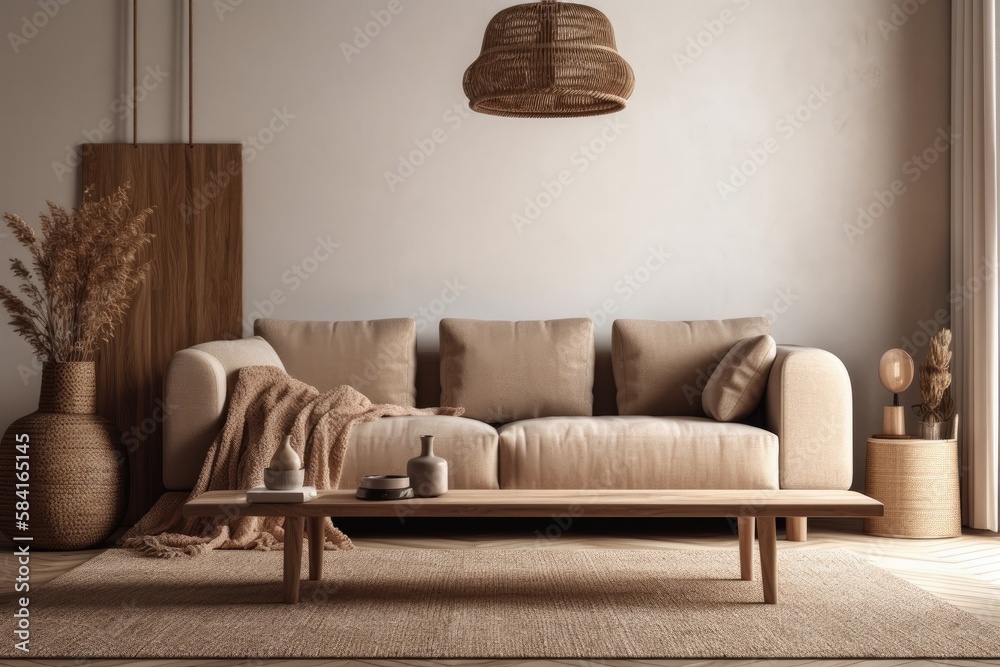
[{"x": 495, "y": 603}]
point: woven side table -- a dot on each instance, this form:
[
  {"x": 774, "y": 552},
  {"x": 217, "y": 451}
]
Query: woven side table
[{"x": 917, "y": 481}]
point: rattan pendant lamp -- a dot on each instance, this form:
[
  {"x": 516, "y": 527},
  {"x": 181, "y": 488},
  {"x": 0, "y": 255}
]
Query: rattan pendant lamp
[{"x": 549, "y": 59}]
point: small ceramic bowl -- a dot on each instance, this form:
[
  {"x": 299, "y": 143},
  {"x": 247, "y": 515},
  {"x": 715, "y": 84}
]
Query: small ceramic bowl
[
  {"x": 384, "y": 494},
  {"x": 284, "y": 480},
  {"x": 385, "y": 482}
]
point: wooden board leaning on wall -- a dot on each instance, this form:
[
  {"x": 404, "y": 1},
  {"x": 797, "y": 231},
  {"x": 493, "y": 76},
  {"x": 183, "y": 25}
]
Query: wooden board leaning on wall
[{"x": 194, "y": 292}]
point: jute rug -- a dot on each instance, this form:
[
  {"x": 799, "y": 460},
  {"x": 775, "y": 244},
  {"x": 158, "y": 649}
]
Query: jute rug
[{"x": 486, "y": 603}]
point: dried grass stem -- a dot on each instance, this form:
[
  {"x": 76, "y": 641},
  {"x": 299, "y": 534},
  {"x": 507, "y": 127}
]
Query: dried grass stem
[{"x": 84, "y": 272}]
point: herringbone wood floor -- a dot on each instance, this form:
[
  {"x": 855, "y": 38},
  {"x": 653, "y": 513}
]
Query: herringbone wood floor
[{"x": 964, "y": 571}]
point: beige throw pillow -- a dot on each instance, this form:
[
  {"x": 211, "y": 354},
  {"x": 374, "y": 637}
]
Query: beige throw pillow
[
  {"x": 659, "y": 367},
  {"x": 376, "y": 357},
  {"x": 738, "y": 383},
  {"x": 505, "y": 371}
]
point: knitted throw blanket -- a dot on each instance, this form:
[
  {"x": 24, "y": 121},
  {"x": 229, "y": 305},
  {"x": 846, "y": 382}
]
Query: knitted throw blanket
[{"x": 266, "y": 404}]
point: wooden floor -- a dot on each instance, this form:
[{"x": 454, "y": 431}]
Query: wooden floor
[{"x": 964, "y": 571}]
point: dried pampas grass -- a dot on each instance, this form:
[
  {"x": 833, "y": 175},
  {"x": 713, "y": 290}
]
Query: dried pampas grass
[
  {"x": 935, "y": 379},
  {"x": 85, "y": 270}
]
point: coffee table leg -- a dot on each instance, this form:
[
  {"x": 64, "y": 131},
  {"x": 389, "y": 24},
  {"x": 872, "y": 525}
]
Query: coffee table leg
[
  {"x": 316, "y": 542},
  {"x": 293, "y": 557},
  {"x": 768, "y": 537},
  {"x": 746, "y": 528}
]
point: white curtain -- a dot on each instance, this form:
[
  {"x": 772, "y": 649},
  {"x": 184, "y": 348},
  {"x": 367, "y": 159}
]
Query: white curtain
[{"x": 974, "y": 307}]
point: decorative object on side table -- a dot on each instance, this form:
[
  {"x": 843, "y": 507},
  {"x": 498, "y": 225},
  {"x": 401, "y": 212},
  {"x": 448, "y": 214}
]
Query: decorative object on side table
[
  {"x": 86, "y": 269},
  {"x": 895, "y": 370},
  {"x": 936, "y": 410},
  {"x": 917, "y": 481},
  {"x": 384, "y": 487},
  {"x": 283, "y": 478},
  {"x": 428, "y": 473}
]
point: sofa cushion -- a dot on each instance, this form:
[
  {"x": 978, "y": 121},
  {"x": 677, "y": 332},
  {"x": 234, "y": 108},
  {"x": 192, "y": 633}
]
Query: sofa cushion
[
  {"x": 504, "y": 371},
  {"x": 660, "y": 368},
  {"x": 738, "y": 382},
  {"x": 383, "y": 446},
  {"x": 636, "y": 453},
  {"x": 376, "y": 357}
]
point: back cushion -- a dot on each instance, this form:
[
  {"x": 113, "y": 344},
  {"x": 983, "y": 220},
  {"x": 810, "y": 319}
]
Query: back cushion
[
  {"x": 505, "y": 371},
  {"x": 661, "y": 368},
  {"x": 376, "y": 357}
]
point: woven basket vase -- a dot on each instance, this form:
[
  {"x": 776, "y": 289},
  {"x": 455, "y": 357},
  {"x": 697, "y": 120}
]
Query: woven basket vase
[{"x": 77, "y": 475}]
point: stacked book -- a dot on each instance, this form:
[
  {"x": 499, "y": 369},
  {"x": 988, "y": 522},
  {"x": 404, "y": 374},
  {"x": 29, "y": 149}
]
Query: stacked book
[{"x": 261, "y": 494}]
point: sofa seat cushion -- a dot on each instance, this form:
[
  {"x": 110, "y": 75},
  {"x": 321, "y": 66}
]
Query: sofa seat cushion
[
  {"x": 636, "y": 452},
  {"x": 383, "y": 447}
]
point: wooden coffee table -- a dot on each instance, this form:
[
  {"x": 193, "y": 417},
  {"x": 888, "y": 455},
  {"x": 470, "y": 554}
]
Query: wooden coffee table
[{"x": 760, "y": 506}]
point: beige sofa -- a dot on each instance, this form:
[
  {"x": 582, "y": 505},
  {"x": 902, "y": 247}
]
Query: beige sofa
[{"x": 528, "y": 389}]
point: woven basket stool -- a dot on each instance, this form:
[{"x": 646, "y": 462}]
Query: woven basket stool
[{"x": 917, "y": 481}]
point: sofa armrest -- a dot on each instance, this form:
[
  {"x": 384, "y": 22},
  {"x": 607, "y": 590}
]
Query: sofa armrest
[
  {"x": 196, "y": 390},
  {"x": 808, "y": 405}
]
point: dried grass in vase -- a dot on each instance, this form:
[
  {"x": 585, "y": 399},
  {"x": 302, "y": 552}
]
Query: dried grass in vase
[
  {"x": 84, "y": 272},
  {"x": 937, "y": 405}
]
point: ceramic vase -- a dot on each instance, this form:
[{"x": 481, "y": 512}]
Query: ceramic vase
[
  {"x": 428, "y": 473},
  {"x": 68, "y": 461},
  {"x": 285, "y": 472},
  {"x": 934, "y": 430}
]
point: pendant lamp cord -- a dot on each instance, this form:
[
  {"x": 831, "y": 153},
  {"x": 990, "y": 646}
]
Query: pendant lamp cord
[
  {"x": 191, "y": 72},
  {"x": 135, "y": 72}
]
